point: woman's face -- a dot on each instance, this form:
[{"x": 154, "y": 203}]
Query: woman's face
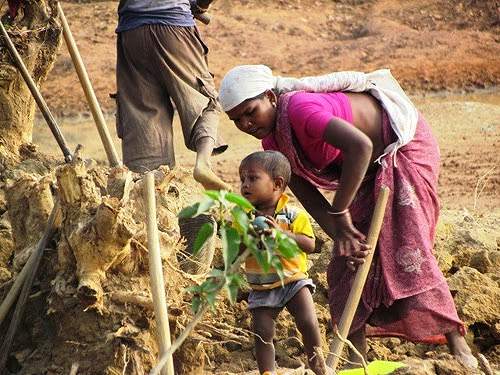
[{"x": 257, "y": 116}]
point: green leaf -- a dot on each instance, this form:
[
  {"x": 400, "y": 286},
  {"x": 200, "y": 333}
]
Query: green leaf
[
  {"x": 216, "y": 273},
  {"x": 269, "y": 242},
  {"x": 232, "y": 291},
  {"x": 261, "y": 257},
  {"x": 278, "y": 266},
  {"x": 203, "y": 235},
  {"x": 195, "y": 304},
  {"x": 233, "y": 284},
  {"x": 204, "y": 206},
  {"x": 214, "y": 194},
  {"x": 240, "y": 219},
  {"x": 210, "y": 286},
  {"x": 230, "y": 245},
  {"x": 189, "y": 211},
  {"x": 195, "y": 289},
  {"x": 211, "y": 298},
  {"x": 270, "y": 254},
  {"x": 287, "y": 246},
  {"x": 240, "y": 201}
]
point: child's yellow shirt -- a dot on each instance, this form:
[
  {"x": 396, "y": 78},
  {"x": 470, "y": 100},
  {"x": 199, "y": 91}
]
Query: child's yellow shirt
[{"x": 296, "y": 221}]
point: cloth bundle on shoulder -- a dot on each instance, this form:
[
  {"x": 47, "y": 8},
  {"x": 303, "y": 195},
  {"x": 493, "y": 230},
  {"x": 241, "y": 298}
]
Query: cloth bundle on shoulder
[{"x": 248, "y": 81}]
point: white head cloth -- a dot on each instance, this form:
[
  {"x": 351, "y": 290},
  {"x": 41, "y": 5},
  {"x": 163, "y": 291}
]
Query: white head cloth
[
  {"x": 247, "y": 81},
  {"x": 244, "y": 82}
]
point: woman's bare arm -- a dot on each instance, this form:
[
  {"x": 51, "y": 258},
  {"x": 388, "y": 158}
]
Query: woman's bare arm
[{"x": 356, "y": 150}]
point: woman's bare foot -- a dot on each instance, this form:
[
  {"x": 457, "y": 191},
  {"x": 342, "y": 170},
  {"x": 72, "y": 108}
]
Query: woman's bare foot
[
  {"x": 205, "y": 176},
  {"x": 460, "y": 350}
]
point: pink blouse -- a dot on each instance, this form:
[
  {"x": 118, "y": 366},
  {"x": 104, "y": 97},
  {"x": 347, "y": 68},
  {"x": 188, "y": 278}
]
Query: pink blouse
[{"x": 309, "y": 115}]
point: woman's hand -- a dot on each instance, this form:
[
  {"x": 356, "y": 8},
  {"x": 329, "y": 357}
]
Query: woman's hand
[{"x": 349, "y": 242}]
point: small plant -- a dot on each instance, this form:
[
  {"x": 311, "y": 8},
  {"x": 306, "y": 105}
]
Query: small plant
[
  {"x": 242, "y": 235},
  {"x": 240, "y": 238}
]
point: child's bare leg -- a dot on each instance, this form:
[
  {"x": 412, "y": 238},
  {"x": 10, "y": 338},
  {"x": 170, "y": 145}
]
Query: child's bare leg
[
  {"x": 460, "y": 350},
  {"x": 301, "y": 306},
  {"x": 358, "y": 339},
  {"x": 203, "y": 169},
  {"x": 263, "y": 328}
]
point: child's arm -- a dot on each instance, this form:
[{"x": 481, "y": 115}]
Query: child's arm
[{"x": 306, "y": 243}]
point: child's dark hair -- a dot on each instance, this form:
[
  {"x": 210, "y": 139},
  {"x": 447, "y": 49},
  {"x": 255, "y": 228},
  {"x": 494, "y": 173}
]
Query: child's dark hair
[{"x": 272, "y": 162}]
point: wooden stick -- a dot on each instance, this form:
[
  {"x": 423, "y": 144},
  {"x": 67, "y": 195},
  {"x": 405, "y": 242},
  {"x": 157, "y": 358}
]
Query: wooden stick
[
  {"x": 156, "y": 274},
  {"x": 337, "y": 345},
  {"x": 74, "y": 368},
  {"x": 95, "y": 108},
  {"x": 23, "y": 297},
  {"x": 11, "y": 296},
  {"x": 197, "y": 318},
  {"x": 42, "y": 105}
]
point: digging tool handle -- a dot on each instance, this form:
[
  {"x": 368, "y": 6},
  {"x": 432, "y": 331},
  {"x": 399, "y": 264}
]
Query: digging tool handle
[
  {"x": 156, "y": 273},
  {"x": 11, "y": 296},
  {"x": 359, "y": 281},
  {"x": 23, "y": 297},
  {"x": 38, "y": 96},
  {"x": 95, "y": 108}
]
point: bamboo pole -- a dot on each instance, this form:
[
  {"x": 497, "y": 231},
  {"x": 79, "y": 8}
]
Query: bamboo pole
[
  {"x": 42, "y": 105},
  {"x": 95, "y": 108},
  {"x": 156, "y": 274},
  {"x": 23, "y": 297},
  {"x": 337, "y": 344},
  {"x": 197, "y": 318},
  {"x": 11, "y": 296}
]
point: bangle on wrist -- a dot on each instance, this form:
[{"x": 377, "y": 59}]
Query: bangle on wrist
[{"x": 338, "y": 213}]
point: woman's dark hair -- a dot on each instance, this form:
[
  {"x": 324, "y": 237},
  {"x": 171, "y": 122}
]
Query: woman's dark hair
[{"x": 273, "y": 163}]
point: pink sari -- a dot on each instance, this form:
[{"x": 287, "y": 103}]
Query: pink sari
[{"x": 405, "y": 294}]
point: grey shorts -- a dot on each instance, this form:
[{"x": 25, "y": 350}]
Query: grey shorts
[{"x": 278, "y": 297}]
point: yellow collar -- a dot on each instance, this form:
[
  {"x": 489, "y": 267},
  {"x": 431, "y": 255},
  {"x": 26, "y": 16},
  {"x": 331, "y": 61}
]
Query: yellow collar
[{"x": 281, "y": 203}]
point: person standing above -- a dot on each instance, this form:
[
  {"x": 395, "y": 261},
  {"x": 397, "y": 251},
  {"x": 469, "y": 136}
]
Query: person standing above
[{"x": 162, "y": 62}]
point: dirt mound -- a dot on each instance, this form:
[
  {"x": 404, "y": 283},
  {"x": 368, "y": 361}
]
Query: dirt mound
[{"x": 94, "y": 304}]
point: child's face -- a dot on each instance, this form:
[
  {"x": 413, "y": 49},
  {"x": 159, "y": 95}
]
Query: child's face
[
  {"x": 256, "y": 117},
  {"x": 258, "y": 186}
]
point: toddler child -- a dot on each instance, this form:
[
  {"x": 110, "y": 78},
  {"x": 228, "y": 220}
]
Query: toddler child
[{"x": 264, "y": 176}]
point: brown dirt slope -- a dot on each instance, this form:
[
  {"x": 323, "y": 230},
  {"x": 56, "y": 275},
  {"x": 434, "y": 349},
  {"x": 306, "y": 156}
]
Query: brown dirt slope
[{"x": 429, "y": 45}]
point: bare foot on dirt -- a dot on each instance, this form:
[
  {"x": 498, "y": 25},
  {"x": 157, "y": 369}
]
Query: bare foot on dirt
[
  {"x": 205, "y": 176},
  {"x": 460, "y": 350}
]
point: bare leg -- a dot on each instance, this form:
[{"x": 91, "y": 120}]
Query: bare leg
[
  {"x": 263, "y": 327},
  {"x": 358, "y": 339},
  {"x": 301, "y": 306},
  {"x": 460, "y": 350},
  {"x": 203, "y": 170}
]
